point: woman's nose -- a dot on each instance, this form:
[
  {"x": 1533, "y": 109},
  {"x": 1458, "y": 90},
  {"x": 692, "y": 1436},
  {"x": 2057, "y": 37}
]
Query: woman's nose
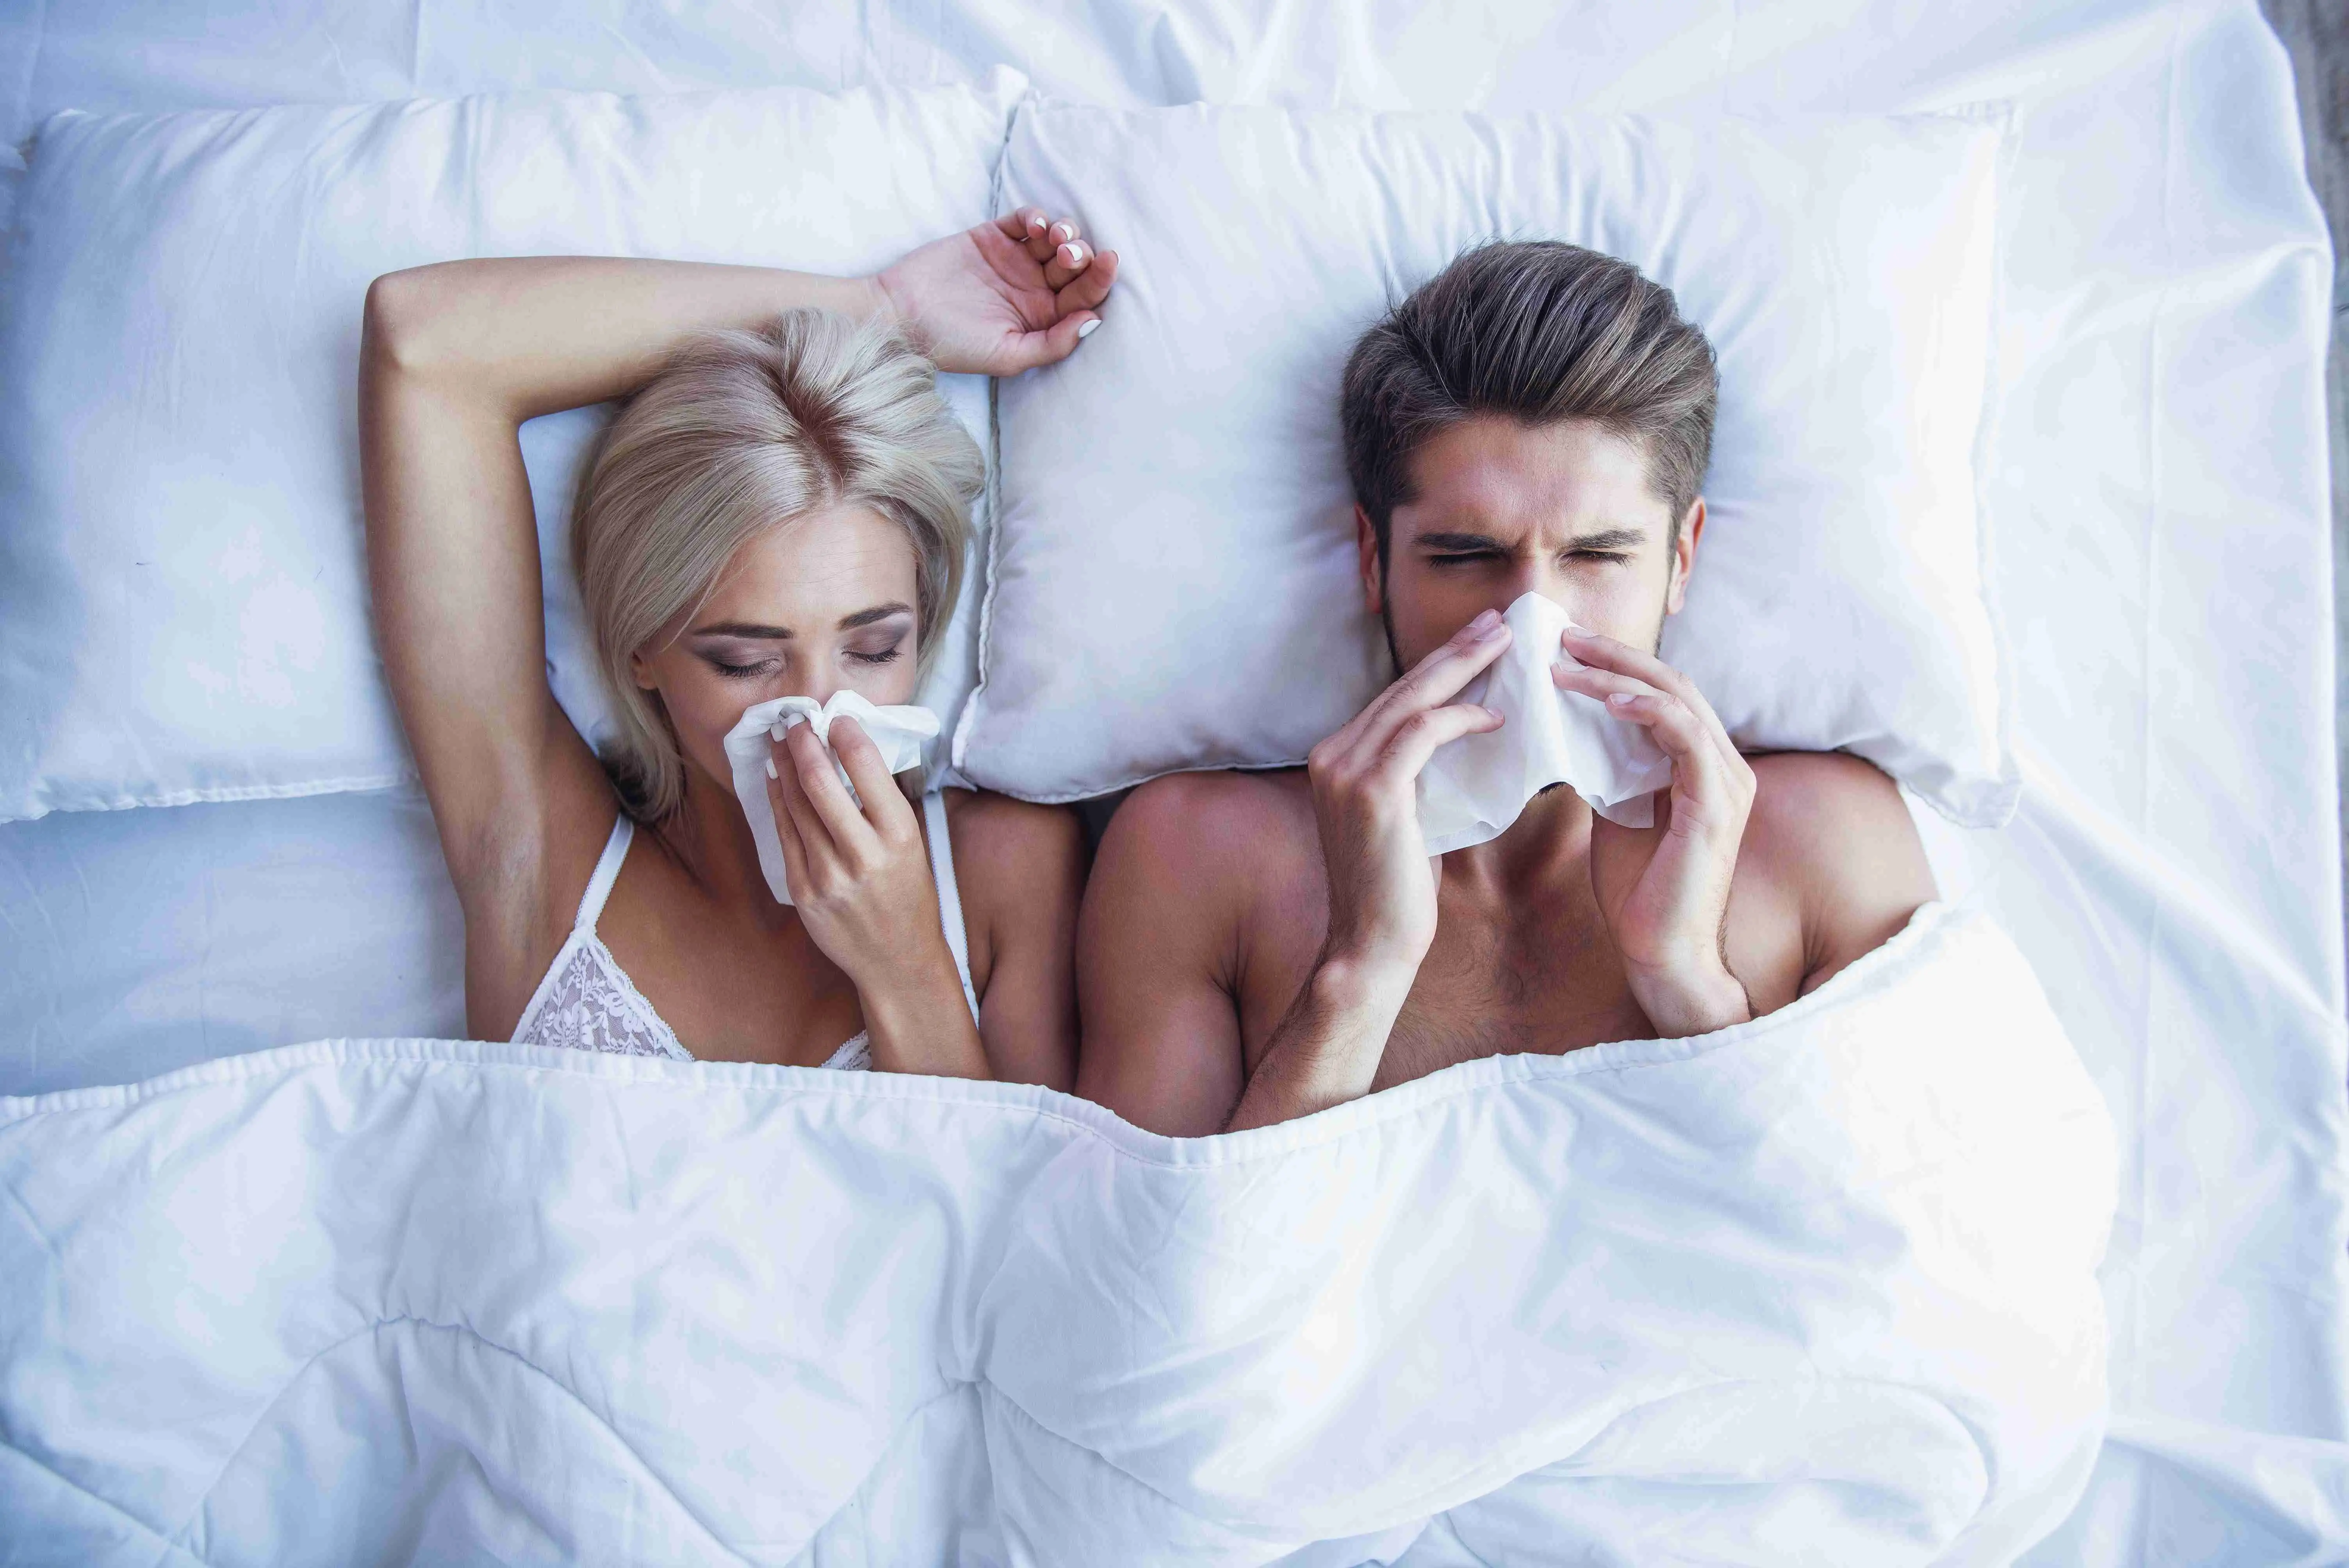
[{"x": 816, "y": 686}]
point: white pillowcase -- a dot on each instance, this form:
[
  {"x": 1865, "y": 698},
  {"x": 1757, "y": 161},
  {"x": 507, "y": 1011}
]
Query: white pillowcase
[
  {"x": 1174, "y": 582},
  {"x": 183, "y": 608}
]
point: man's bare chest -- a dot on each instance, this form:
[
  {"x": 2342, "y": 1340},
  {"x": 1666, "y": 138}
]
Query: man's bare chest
[
  {"x": 1543, "y": 977},
  {"x": 1546, "y": 984}
]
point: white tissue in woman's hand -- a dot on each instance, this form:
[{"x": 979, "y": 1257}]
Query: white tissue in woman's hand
[
  {"x": 898, "y": 732},
  {"x": 1475, "y": 788}
]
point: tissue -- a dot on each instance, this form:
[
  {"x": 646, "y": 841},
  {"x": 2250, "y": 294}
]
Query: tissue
[
  {"x": 1475, "y": 788},
  {"x": 899, "y": 733}
]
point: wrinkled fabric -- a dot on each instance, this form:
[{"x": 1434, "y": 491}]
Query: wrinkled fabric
[{"x": 1820, "y": 1287}]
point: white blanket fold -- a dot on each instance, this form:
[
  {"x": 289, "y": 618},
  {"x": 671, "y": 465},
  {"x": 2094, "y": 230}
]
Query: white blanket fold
[{"x": 1818, "y": 1288}]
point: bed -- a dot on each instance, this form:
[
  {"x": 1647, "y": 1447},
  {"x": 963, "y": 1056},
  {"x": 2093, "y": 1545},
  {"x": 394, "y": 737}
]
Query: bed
[{"x": 2161, "y": 570}]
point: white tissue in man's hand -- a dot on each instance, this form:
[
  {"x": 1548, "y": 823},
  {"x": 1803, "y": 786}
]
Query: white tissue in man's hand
[
  {"x": 1475, "y": 788},
  {"x": 899, "y": 733}
]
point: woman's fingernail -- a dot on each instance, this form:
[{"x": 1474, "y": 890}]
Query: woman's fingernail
[
  {"x": 1071, "y": 255},
  {"x": 1622, "y": 698},
  {"x": 1065, "y": 230},
  {"x": 1487, "y": 623},
  {"x": 1087, "y": 330},
  {"x": 1035, "y": 221},
  {"x": 770, "y": 769}
]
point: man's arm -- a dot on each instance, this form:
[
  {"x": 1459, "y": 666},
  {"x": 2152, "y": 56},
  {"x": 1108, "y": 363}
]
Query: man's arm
[
  {"x": 1022, "y": 871},
  {"x": 1383, "y": 882},
  {"x": 1326, "y": 1049},
  {"x": 1157, "y": 941}
]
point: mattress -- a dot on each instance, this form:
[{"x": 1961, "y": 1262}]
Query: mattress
[{"x": 2157, "y": 495}]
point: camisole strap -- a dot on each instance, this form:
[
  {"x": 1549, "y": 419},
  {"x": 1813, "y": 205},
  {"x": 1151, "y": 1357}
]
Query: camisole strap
[
  {"x": 942, "y": 871},
  {"x": 607, "y": 871}
]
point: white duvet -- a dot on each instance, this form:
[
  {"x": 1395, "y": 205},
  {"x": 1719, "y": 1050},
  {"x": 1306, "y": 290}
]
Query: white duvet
[{"x": 1820, "y": 1289}]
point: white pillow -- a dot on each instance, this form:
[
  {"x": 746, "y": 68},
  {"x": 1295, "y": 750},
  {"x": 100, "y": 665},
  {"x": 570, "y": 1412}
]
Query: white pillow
[
  {"x": 1174, "y": 582},
  {"x": 183, "y": 610}
]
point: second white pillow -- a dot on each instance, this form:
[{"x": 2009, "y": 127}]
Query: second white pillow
[{"x": 1174, "y": 582}]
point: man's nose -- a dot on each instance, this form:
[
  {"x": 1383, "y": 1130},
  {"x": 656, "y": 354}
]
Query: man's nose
[
  {"x": 1546, "y": 577},
  {"x": 1529, "y": 576}
]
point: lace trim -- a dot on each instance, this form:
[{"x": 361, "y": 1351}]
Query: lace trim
[
  {"x": 591, "y": 1005},
  {"x": 854, "y": 1056}
]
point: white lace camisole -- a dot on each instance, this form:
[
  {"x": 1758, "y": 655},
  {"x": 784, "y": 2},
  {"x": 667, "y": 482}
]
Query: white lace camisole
[{"x": 587, "y": 1002}]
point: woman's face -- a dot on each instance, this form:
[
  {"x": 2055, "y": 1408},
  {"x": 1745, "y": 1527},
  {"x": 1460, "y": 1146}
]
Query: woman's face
[{"x": 805, "y": 610}]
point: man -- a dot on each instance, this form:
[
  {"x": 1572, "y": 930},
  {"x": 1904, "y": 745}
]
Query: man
[{"x": 1254, "y": 947}]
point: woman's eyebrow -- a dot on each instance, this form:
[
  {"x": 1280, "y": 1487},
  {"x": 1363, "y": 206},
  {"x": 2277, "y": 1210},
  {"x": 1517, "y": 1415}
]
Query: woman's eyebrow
[
  {"x": 743, "y": 629},
  {"x": 878, "y": 613}
]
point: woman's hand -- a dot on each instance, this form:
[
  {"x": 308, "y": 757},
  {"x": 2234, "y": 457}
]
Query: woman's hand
[
  {"x": 860, "y": 877},
  {"x": 1002, "y": 298},
  {"x": 1664, "y": 891}
]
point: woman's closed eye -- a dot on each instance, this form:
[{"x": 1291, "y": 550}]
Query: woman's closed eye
[
  {"x": 882, "y": 654},
  {"x": 740, "y": 671}
]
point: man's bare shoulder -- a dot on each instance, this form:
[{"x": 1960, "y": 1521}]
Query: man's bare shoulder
[
  {"x": 1009, "y": 835},
  {"x": 1807, "y": 803},
  {"x": 1223, "y": 823},
  {"x": 1832, "y": 836}
]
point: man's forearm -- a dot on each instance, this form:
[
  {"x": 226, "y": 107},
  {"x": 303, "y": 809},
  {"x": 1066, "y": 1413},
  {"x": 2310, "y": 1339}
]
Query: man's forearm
[
  {"x": 1326, "y": 1049},
  {"x": 1681, "y": 1006}
]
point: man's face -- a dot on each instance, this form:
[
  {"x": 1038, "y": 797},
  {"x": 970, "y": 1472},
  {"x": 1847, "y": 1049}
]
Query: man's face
[{"x": 1505, "y": 509}]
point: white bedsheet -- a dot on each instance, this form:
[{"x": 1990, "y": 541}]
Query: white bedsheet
[
  {"x": 1792, "y": 1293},
  {"x": 2156, "y": 507}
]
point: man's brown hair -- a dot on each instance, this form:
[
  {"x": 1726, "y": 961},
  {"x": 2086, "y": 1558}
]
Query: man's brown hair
[{"x": 1540, "y": 332}]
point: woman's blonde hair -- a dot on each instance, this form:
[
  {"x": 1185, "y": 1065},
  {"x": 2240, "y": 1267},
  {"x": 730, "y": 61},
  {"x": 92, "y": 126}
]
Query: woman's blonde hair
[{"x": 742, "y": 432}]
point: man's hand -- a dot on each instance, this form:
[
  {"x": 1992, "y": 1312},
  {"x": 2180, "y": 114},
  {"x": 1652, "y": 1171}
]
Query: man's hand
[
  {"x": 1002, "y": 298},
  {"x": 1664, "y": 891},
  {"x": 1383, "y": 882},
  {"x": 1366, "y": 800}
]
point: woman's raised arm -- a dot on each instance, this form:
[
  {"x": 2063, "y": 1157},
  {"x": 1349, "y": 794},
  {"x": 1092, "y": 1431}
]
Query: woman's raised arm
[{"x": 455, "y": 356}]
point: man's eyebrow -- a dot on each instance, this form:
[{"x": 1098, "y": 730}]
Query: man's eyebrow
[
  {"x": 1609, "y": 539},
  {"x": 1604, "y": 538},
  {"x": 1436, "y": 539},
  {"x": 878, "y": 613}
]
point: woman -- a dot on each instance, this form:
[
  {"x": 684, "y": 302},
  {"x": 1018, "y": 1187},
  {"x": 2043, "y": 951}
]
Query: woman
[{"x": 780, "y": 509}]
